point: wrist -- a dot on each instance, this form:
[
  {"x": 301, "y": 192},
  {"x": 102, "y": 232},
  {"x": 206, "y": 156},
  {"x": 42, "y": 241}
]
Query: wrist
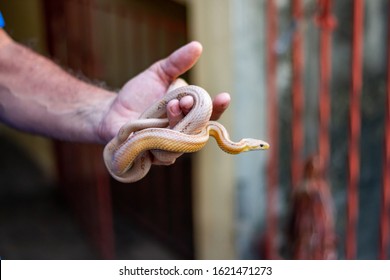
[{"x": 102, "y": 128}]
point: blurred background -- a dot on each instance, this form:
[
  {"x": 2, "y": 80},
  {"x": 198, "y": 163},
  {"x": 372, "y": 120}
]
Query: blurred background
[{"x": 308, "y": 76}]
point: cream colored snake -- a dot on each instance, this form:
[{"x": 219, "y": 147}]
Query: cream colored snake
[{"x": 129, "y": 155}]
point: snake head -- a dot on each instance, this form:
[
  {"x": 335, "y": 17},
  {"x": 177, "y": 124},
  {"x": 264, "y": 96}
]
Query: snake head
[{"x": 255, "y": 144}]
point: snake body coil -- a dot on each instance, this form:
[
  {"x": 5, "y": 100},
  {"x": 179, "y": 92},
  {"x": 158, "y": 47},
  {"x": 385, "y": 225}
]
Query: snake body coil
[{"x": 129, "y": 155}]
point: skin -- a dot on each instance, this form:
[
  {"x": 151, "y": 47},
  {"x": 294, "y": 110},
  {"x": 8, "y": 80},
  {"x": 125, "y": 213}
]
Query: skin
[{"x": 39, "y": 97}]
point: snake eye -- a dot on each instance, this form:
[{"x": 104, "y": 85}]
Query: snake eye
[{"x": 263, "y": 146}]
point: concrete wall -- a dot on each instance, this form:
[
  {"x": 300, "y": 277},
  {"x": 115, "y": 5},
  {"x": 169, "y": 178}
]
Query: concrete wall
[{"x": 229, "y": 190}]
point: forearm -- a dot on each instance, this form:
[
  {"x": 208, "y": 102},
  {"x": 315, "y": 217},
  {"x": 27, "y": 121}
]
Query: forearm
[{"x": 38, "y": 96}]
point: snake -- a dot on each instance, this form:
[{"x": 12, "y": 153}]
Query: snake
[{"x": 130, "y": 154}]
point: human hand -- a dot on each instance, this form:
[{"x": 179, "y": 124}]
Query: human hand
[{"x": 150, "y": 85}]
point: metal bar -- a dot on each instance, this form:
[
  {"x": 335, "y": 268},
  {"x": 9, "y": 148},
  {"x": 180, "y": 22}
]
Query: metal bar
[
  {"x": 297, "y": 95},
  {"x": 354, "y": 131},
  {"x": 273, "y": 129},
  {"x": 385, "y": 197},
  {"x": 326, "y": 22}
]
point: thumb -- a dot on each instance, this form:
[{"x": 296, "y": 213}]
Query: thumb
[{"x": 178, "y": 62}]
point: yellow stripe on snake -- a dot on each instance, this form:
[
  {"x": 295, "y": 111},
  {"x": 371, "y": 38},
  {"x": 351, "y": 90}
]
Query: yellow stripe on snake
[{"x": 129, "y": 155}]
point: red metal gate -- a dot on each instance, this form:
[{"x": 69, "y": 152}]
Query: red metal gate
[{"x": 326, "y": 23}]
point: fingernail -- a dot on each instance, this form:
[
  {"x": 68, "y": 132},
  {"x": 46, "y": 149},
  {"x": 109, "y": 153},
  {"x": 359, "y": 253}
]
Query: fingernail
[
  {"x": 175, "y": 109},
  {"x": 186, "y": 104}
]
